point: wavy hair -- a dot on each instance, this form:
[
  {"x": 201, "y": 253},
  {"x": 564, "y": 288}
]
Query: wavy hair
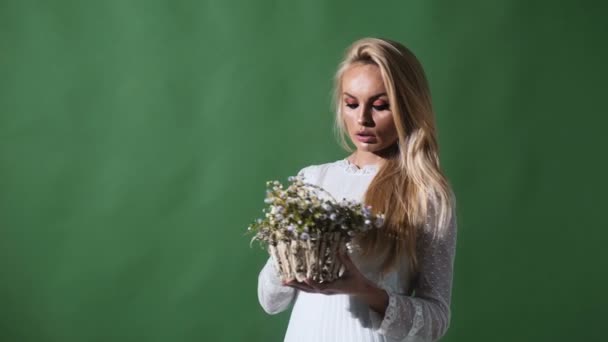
[{"x": 410, "y": 187}]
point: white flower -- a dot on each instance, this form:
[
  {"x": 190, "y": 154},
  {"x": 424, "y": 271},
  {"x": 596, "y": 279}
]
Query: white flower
[{"x": 299, "y": 212}]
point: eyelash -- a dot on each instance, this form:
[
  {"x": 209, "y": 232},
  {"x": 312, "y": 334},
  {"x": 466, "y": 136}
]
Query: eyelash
[{"x": 379, "y": 108}]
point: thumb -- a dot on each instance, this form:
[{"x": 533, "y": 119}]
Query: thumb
[{"x": 345, "y": 259}]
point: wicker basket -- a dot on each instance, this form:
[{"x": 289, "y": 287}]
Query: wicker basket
[{"x": 316, "y": 259}]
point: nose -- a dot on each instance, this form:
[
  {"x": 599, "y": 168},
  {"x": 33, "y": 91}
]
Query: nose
[{"x": 364, "y": 115}]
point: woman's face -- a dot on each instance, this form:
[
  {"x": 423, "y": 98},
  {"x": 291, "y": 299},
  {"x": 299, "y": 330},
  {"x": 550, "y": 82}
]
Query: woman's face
[{"x": 366, "y": 110}]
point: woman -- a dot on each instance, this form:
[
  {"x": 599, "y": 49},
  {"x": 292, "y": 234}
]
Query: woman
[{"x": 397, "y": 286}]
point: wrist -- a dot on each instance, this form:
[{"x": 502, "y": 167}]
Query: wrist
[
  {"x": 375, "y": 297},
  {"x": 372, "y": 291}
]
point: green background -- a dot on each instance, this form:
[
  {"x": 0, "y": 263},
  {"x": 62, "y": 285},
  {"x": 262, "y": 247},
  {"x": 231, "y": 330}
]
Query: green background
[{"x": 136, "y": 137}]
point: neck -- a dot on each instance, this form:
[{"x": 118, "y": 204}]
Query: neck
[{"x": 364, "y": 158}]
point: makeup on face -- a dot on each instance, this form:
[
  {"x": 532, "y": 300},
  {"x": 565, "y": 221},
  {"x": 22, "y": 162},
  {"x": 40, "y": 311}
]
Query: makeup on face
[{"x": 366, "y": 109}]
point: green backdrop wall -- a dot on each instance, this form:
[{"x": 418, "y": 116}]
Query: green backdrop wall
[{"x": 136, "y": 137}]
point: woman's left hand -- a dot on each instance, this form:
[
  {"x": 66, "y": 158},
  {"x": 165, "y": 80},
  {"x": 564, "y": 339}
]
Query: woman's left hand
[{"x": 352, "y": 282}]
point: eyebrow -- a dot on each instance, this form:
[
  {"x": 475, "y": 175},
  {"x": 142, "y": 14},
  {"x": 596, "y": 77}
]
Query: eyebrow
[{"x": 372, "y": 98}]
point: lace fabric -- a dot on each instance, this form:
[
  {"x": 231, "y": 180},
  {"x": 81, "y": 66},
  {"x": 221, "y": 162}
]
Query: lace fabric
[
  {"x": 351, "y": 168},
  {"x": 425, "y": 315}
]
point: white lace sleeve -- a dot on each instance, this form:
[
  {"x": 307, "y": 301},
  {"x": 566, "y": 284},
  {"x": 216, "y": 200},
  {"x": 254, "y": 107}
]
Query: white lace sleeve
[
  {"x": 272, "y": 295},
  {"x": 424, "y": 316}
]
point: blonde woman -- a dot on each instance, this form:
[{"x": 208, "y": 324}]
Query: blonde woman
[{"x": 398, "y": 282}]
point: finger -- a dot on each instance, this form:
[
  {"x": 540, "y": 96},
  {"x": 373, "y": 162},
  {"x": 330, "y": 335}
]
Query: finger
[
  {"x": 345, "y": 259},
  {"x": 350, "y": 269},
  {"x": 313, "y": 284},
  {"x": 301, "y": 287},
  {"x": 284, "y": 282},
  {"x": 333, "y": 287},
  {"x": 348, "y": 265},
  {"x": 291, "y": 282},
  {"x": 325, "y": 288}
]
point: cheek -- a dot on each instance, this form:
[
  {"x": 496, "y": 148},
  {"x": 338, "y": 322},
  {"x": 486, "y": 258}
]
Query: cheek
[
  {"x": 387, "y": 126},
  {"x": 349, "y": 119},
  {"x": 347, "y": 114}
]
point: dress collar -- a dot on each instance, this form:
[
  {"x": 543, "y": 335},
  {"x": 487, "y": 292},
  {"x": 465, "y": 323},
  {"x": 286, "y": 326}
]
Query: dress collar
[{"x": 351, "y": 168}]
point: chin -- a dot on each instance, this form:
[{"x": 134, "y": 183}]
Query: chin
[
  {"x": 372, "y": 148},
  {"x": 366, "y": 147}
]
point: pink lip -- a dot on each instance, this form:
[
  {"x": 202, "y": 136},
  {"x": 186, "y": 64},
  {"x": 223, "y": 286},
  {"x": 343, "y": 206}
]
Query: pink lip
[{"x": 365, "y": 138}]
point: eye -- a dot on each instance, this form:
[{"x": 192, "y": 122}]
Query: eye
[
  {"x": 381, "y": 107},
  {"x": 352, "y": 105}
]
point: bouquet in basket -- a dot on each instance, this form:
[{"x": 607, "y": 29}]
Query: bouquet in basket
[{"x": 304, "y": 228}]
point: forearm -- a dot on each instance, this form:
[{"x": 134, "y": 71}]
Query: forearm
[
  {"x": 272, "y": 295},
  {"x": 376, "y": 298}
]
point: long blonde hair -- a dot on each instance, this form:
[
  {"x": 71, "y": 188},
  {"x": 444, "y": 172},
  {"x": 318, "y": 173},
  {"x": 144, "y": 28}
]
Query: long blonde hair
[{"x": 410, "y": 187}]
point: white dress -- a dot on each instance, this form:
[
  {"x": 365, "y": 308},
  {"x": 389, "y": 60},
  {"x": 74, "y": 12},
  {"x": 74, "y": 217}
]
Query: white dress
[{"x": 423, "y": 315}]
